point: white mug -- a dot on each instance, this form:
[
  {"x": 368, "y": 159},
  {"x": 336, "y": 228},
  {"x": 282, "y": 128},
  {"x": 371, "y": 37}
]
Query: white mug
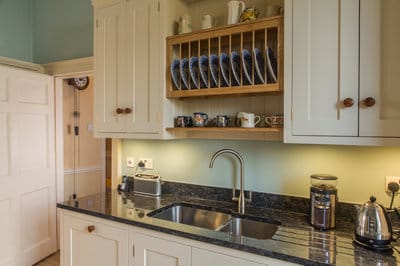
[
  {"x": 207, "y": 21},
  {"x": 249, "y": 120},
  {"x": 234, "y": 11},
  {"x": 185, "y": 24}
]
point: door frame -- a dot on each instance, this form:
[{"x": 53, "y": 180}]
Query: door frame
[
  {"x": 63, "y": 70},
  {"x": 59, "y": 117}
]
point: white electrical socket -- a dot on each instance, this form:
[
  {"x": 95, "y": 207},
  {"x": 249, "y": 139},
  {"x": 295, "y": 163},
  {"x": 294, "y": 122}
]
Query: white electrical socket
[
  {"x": 130, "y": 162},
  {"x": 389, "y": 179},
  {"x": 148, "y": 163}
]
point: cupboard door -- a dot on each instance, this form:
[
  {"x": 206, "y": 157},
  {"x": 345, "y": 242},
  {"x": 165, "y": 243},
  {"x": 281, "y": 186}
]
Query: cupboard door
[
  {"x": 109, "y": 67},
  {"x": 87, "y": 242},
  {"x": 325, "y": 67},
  {"x": 202, "y": 257},
  {"x": 152, "y": 251},
  {"x": 143, "y": 56},
  {"x": 380, "y": 67}
]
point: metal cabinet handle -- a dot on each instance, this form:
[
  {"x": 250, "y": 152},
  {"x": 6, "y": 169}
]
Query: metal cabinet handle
[
  {"x": 128, "y": 110},
  {"x": 348, "y": 102},
  {"x": 119, "y": 110},
  {"x": 369, "y": 101},
  {"x": 91, "y": 228}
]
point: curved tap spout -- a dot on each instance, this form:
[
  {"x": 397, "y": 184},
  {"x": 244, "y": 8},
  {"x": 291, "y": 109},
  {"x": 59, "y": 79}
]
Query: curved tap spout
[{"x": 241, "y": 203}]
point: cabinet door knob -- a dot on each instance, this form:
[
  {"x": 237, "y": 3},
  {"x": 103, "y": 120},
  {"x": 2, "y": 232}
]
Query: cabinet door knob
[
  {"x": 369, "y": 101},
  {"x": 128, "y": 110},
  {"x": 90, "y": 228},
  {"x": 119, "y": 110},
  {"x": 348, "y": 102}
]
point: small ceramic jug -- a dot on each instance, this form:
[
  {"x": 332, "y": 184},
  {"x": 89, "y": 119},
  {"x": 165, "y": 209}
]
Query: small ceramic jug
[
  {"x": 199, "y": 119},
  {"x": 222, "y": 120},
  {"x": 208, "y": 21},
  {"x": 183, "y": 121},
  {"x": 185, "y": 24},
  {"x": 235, "y": 8}
]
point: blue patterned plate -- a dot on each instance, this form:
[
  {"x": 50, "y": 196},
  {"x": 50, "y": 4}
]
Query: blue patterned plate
[
  {"x": 203, "y": 67},
  {"x": 194, "y": 70},
  {"x": 184, "y": 70},
  {"x": 175, "y": 73},
  {"x": 235, "y": 64},
  {"x": 247, "y": 62},
  {"x": 214, "y": 68},
  {"x": 272, "y": 65},
  {"x": 224, "y": 64},
  {"x": 259, "y": 64}
]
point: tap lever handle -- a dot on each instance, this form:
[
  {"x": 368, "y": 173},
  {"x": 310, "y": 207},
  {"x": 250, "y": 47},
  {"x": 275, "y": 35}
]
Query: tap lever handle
[{"x": 236, "y": 198}]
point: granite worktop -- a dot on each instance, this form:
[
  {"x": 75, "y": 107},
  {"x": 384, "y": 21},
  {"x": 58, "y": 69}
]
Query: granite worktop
[{"x": 295, "y": 241}]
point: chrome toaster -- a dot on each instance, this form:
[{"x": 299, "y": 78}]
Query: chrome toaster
[{"x": 147, "y": 184}]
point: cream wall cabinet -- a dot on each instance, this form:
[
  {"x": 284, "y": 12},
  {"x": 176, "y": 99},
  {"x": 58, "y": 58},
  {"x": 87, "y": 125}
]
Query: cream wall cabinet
[
  {"x": 131, "y": 70},
  {"x": 340, "y": 89},
  {"x": 127, "y": 68}
]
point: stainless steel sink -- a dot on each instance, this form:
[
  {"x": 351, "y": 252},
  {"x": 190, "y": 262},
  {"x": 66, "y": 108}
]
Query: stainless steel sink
[
  {"x": 249, "y": 228},
  {"x": 219, "y": 221},
  {"x": 191, "y": 215}
]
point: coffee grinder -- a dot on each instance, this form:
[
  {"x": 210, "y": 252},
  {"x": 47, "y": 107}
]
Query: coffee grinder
[{"x": 323, "y": 197}]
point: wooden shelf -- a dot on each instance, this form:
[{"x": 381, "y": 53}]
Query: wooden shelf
[
  {"x": 225, "y": 129},
  {"x": 242, "y": 90}
]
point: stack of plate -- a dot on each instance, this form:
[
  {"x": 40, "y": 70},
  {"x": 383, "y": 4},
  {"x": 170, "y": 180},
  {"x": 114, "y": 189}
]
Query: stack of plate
[{"x": 214, "y": 71}]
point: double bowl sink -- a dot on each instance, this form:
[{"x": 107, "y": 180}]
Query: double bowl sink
[{"x": 233, "y": 224}]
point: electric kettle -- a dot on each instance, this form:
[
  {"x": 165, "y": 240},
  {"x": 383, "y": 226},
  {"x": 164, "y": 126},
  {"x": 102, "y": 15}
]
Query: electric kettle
[{"x": 373, "y": 227}]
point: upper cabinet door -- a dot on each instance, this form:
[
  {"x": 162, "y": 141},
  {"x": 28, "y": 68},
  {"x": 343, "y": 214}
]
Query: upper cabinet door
[
  {"x": 324, "y": 67},
  {"x": 380, "y": 67},
  {"x": 143, "y": 66},
  {"x": 110, "y": 67}
]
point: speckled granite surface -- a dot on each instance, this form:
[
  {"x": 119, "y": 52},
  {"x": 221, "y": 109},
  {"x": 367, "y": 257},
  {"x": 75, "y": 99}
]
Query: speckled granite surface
[{"x": 295, "y": 241}]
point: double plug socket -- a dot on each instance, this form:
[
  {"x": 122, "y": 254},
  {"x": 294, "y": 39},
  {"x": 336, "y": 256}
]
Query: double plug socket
[
  {"x": 390, "y": 179},
  {"x": 145, "y": 163}
]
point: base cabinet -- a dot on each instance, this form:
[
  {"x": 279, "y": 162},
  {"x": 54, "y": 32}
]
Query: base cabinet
[
  {"x": 153, "y": 251},
  {"x": 202, "y": 257},
  {"x": 89, "y": 242}
]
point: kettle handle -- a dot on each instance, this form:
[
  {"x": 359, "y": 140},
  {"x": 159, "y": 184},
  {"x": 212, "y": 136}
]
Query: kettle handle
[{"x": 398, "y": 216}]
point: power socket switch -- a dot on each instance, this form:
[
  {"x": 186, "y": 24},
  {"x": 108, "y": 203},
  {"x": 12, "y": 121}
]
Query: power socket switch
[
  {"x": 146, "y": 162},
  {"x": 130, "y": 162},
  {"x": 390, "y": 179}
]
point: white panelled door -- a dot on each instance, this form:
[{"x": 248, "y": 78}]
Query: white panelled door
[
  {"x": 325, "y": 67},
  {"x": 27, "y": 168}
]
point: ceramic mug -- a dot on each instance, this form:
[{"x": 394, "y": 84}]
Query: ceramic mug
[
  {"x": 235, "y": 8},
  {"x": 199, "y": 119},
  {"x": 207, "y": 21},
  {"x": 238, "y": 119},
  {"x": 249, "y": 120},
  {"x": 185, "y": 24},
  {"x": 183, "y": 121},
  {"x": 222, "y": 120},
  {"x": 274, "y": 120}
]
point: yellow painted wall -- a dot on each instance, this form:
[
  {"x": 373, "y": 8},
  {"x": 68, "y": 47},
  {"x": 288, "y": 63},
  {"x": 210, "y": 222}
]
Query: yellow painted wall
[{"x": 273, "y": 167}]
